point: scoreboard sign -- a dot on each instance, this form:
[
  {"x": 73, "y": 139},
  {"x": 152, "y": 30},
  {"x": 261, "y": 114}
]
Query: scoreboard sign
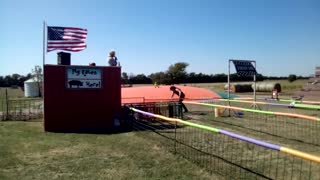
[
  {"x": 83, "y": 78},
  {"x": 244, "y": 68}
]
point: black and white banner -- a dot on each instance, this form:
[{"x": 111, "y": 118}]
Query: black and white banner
[
  {"x": 84, "y": 78},
  {"x": 244, "y": 68}
]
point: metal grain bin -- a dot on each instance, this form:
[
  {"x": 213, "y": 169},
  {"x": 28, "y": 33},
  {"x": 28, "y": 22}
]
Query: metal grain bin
[{"x": 31, "y": 88}]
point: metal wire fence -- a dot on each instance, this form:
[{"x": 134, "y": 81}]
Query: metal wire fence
[
  {"x": 311, "y": 110},
  {"x": 224, "y": 155},
  {"x": 227, "y": 156},
  {"x": 292, "y": 128},
  {"x": 169, "y": 109},
  {"x": 21, "y": 109}
]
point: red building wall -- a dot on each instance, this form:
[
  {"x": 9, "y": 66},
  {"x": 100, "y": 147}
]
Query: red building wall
[{"x": 80, "y": 110}]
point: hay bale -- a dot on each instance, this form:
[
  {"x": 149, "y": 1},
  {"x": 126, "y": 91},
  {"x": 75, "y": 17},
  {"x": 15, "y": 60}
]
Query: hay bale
[
  {"x": 249, "y": 87},
  {"x": 239, "y": 87},
  {"x": 267, "y": 86}
]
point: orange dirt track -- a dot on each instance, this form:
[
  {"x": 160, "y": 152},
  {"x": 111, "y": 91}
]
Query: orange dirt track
[{"x": 145, "y": 94}]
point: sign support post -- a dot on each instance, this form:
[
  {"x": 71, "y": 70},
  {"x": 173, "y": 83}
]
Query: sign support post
[{"x": 244, "y": 68}]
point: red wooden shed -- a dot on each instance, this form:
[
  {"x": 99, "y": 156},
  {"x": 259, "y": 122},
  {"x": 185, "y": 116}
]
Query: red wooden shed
[{"x": 81, "y": 98}]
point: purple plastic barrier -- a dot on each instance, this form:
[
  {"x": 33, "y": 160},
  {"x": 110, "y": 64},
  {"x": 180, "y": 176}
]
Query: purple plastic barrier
[
  {"x": 145, "y": 113},
  {"x": 254, "y": 141}
]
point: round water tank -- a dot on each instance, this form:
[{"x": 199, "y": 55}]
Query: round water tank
[{"x": 31, "y": 88}]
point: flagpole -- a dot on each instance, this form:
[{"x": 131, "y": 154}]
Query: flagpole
[
  {"x": 43, "y": 62},
  {"x": 44, "y": 43}
]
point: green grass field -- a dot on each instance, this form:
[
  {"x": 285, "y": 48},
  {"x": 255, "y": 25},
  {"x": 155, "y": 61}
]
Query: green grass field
[
  {"x": 12, "y": 93},
  {"x": 290, "y": 132},
  {"x": 26, "y": 152},
  {"x": 201, "y": 146},
  {"x": 288, "y": 88},
  {"x": 16, "y": 100}
]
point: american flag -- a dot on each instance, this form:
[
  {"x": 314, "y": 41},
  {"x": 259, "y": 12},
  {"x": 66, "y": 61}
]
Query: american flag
[{"x": 66, "y": 38}]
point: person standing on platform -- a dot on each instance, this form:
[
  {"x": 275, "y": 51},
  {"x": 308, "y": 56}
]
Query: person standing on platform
[
  {"x": 181, "y": 95},
  {"x": 113, "y": 60}
]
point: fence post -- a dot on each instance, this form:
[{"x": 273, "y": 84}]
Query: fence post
[
  {"x": 180, "y": 112},
  {"x": 175, "y": 137},
  {"x": 7, "y": 105}
]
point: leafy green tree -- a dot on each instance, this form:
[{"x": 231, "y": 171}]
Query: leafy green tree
[
  {"x": 37, "y": 75},
  {"x": 2, "y": 81},
  {"x": 177, "y": 72},
  {"x": 292, "y": 77},
  {"x": 124, "y": 78},
  {"x": 139, "y": 79},
  {"x": 220, "y": 78},
  {"x": 159, "y": 77},
  {"x": 22, "y": 79},
  {"x": 7, "y": 81},
  {"x": 15, "y": 79}
]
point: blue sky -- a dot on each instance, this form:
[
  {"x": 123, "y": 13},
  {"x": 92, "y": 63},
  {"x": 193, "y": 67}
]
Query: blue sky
[{"x": 149, "y": 35}]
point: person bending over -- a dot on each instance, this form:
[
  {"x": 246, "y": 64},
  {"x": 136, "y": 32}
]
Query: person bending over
[{"x": 180, "y": 94}]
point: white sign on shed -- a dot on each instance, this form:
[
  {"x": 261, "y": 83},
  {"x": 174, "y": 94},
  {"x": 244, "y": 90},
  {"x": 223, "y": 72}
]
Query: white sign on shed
[{"x": 84, "y": 78}]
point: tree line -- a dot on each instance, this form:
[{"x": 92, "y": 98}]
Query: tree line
[
  {"x": 175, "y": 74},
  {"x": 14, "y": 80},
  {"x": 17, "y": 80}
]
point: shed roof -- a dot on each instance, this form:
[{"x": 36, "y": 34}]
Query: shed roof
[{"x": 30, "y": 80}]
